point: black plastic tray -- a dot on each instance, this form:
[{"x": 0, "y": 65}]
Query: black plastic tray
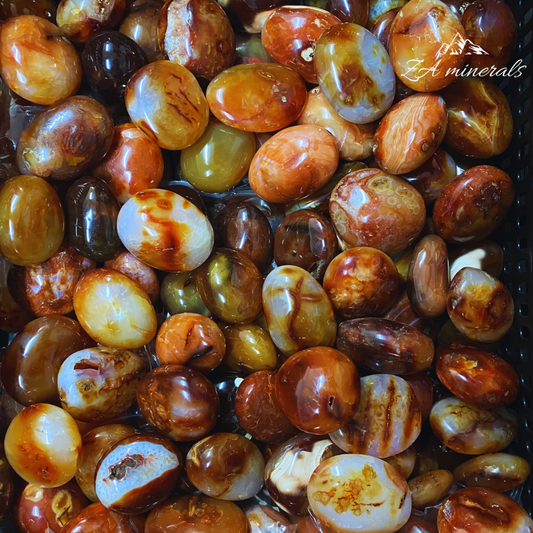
[{"x": 516, "y": 236}]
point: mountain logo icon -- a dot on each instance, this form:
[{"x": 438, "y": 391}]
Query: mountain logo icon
[{"x": 460, "y": 46}]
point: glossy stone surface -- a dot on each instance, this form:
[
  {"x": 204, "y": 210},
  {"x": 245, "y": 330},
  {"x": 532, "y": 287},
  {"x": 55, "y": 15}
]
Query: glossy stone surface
[
  {"x": 318, "y": 389},
  {"x": 382, "y": 27},
  {"x": 348, "y": 52},
  {"x": 319, "y": 201},
  {"x": 43, "y": 445},
  {"x": 259, "y": 411},
  {"x": 109, "y": 59},
  {"x": 93, "y": 211},
  {"x": 495, "y": 471},
  {"x": 190, "y": 339},
  {"x": 387, "y": 420},
  {"x": 417, "y": 525},
  {"x": 32, "y": 222},
  {"x": 402, "y": 311},
  {"x": 480, "y": 123},
  {"x": 48, "y": 288},
  {"x": 288, "y": 471},
  {"x": 48, "y": 509},
  {"x": 385, "y": 346},
  {"x": 41, "y": 8},
  {"x": 473, "y": 205},
  {"x": 37, "y": 63},
  {"x": 96, "y": 519},
  {"x": 226, "y": 466},
  {"x": 491, "y": 25},
  {"x": 165, "y": 101},
  {"x": 422, "y": 386},
  {"x": 477, "y": 510},
  {"x": 79, "y": 20},
  {"x": 485, "y": 255},
  {"x": 478, "y": 377},
  {"x": 418, "y": 34},
  {"x": 230, "y": 286},
  {"x": 293, "y": 164},
  {"x": 179, "y": 294},
  {"x": 197, "y": 513},
  {"x": 428, "y": 278},
  {"x": 263, "y": 519},
  {"x": 178, "y": 401},
  {"x": 95, "y": 444},
  {"x": 66, "y": 139},
  {"x": 290, "y": 35},
  {"x": 138, "y": 271},
  {"x": 12, "y": 317},
  {"x": 297, "y": 310},
  {"x": 354, "y": 141},
  {"x": 410, "y": 133},
  {"x": 306, "y": 239},
  {"x": 430, "y": 178},
  {"x": 479, "y": 305},
  {"x": 133, "y": 164},
  {"x": 430, "y": 488},
  {"x": 140, "y": 24},
  {"x": 270, "y": 97},
  {"x": 350, "y": 493},
  {"x": 197, "y": 35},
  {"x": 165, "y": 231},
  {"x": 471, "y": 430},
  {"x": 137, "y": 473},
  {"x": 372, "y": 208},
  {"x": 244, "y": 227},
  {"x": 219, "y": 159},
  {"x": 249, "y": 349},
  {"x": 404, "y": 461},
  {"x": 99, "y": 384},
  {"x": 32, "y": 361},
  {"x": 114, "y": 310},
  {"x": 361, "y": 282},
  {"x": 227, "y": 385}
]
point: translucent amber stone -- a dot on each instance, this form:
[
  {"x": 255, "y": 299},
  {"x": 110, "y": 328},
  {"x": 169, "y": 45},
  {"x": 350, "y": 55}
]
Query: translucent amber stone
[{"x": 32, "y": 223}]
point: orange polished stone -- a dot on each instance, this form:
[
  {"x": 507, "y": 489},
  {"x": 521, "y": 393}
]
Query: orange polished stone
[
  {"x": 410, "y": 132},
  {"x": 385, "y": 346},
  {"x": 258, "y": 97},
  {"x": 476, "y": 376},
  {"x": 190, "y": 339},
  {"x": 473, "y": 205},
  {"x": 372, "y": 208},
  {"x": 165, "y": 101},
  {"x": 430, "y": 178},
  {"x": 48, "y": 288},
  {"x": 198, "y": 35},
  {"x": 478, "y": 510},
  {"x": 354, "y": 141},
  {"x": 133, "y": 163},
  {"x": 480, "y": 122},
  {"x": 293, "y": 164},
  {"x": 97, "y": 519},
  {"x": 425, "y": 45},
  {"x": 361, "y": 282},
  {"x": 318, "y": 389},
  {"x": 32, "y": 222},
  {"x": 290, "y": 34},
  {"x": 114, "y": 310},
  {"x": 79, "y": 20},
  {"x": 37, "y": 62},
  {"x": 428, "y": 277}
]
